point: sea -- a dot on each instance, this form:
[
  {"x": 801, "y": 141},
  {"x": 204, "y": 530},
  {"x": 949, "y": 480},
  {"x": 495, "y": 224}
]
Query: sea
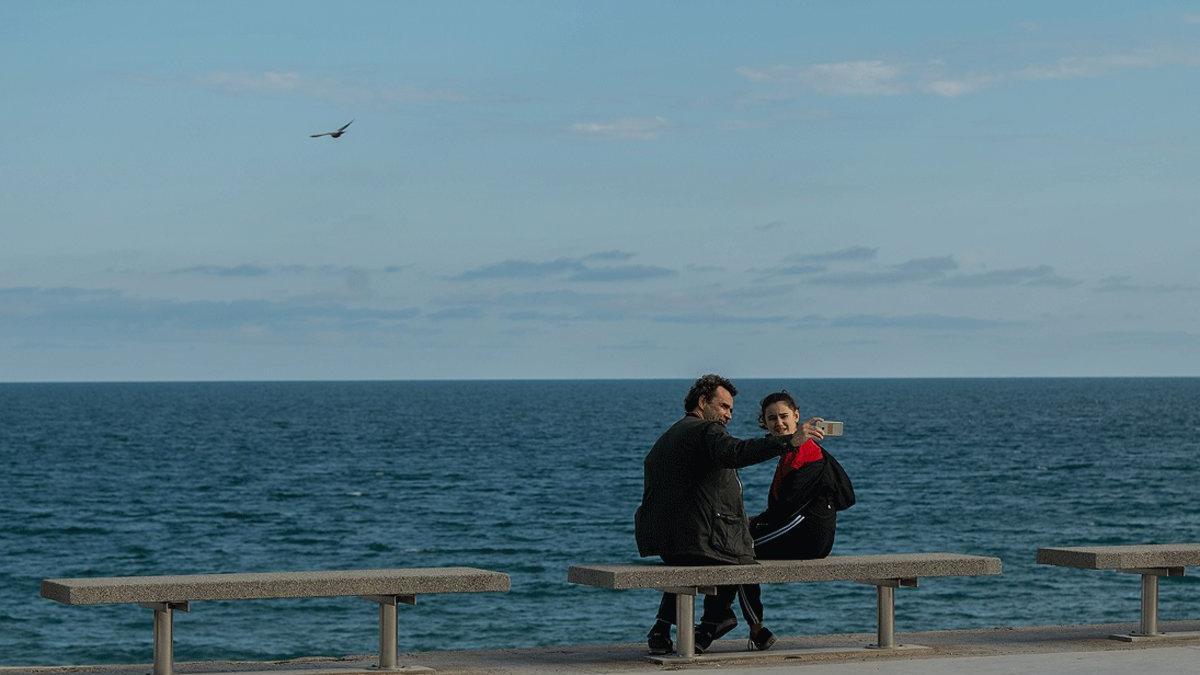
[{"x": 529, "y": 477}]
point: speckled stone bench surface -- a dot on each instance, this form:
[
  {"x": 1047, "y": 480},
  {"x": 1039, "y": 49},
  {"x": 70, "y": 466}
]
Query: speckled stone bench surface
[
  {"x": 833, "y": 568},
  {"x": 249, "y": 586},
  {"x": 1122, "y": 557}
]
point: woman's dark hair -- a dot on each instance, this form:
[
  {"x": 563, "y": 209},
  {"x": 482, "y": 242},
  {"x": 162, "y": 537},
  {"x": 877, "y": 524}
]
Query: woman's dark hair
[
  {"x": 778, "y": 396},
  {"x": 706, "y": 387}
]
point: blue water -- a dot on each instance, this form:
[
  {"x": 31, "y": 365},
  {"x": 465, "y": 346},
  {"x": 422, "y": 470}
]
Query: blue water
[{"x": 529, "y": 477}]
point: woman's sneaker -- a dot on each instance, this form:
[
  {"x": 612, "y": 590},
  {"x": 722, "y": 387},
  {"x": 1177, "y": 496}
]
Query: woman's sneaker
[
  {"x": 762, "y": 641},
  {"x": 707, "y": 633}
]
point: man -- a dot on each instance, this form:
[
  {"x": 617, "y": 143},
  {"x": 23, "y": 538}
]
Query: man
[{"x": 692, "y": 512}]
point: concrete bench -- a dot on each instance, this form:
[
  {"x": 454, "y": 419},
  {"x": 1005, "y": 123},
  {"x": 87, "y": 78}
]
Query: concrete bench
[
  {"x": 164, "y": 594},
  {"x": 885, "y": 572},
  {"x": 1149, "y": 560}
]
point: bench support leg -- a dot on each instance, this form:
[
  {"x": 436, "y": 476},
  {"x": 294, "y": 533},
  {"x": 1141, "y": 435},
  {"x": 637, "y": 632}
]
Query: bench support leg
[
  {"x": 885, "y": 626},
  {"x": 387, "y": 635},
  {"x": 685, "y": 617},
  {"x": 1149, "y": 605},
  {"x": 1149, "y": 623},
  {"x": 164, "y": 634},
  {"x": 885, "y": 631},
  {"x": 164, "y": 646},
  {"x": 685, "y": 624},
  {"x": 388, "y": 626}
]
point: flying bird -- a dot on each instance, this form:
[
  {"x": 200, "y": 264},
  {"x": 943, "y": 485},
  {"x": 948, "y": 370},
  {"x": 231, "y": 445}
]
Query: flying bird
[{"x": 333, "y": 134}]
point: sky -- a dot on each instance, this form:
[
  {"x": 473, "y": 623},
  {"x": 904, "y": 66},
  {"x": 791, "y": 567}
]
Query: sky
[{"x": 598, "y": 190}]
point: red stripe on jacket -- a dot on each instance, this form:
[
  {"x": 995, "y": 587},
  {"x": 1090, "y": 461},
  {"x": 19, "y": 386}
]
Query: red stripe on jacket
[{"x": 795, "y": 458}]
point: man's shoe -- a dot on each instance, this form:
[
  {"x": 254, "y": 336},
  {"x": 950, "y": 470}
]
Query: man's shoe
[
  {"x": 708, "y": 632},
  {"x": 762, "y": 641},
  {"x": 659, "y": 642}
]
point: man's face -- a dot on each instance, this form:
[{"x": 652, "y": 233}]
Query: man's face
[{"x": 719, "y": 408}]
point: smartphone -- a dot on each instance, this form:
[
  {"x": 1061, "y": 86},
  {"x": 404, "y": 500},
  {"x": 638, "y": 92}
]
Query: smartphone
[{"x": 830, "y": 428}]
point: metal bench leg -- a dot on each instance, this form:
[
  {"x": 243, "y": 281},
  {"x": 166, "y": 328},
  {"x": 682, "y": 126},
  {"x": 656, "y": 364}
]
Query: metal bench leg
[
  {"x": 1148, "y": 627},
  {"x": 1149, "y": 604},
  {"x": 685, "y": 617},
  {"x": 388, "y": 626},
  {"x": 164, "y": 635},
  {"x": 885, "y": 593},
  {"x": 164, "y": 647},
  {"x": 1148, "y": 630},
  {"x": 685, "y": 624},
  {"x": 885, "y": 632},
  {"x": 387, "y": 635}
]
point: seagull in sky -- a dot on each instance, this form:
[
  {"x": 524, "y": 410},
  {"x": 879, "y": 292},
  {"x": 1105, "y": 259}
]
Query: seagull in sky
[{"x": 333, "y": 134}]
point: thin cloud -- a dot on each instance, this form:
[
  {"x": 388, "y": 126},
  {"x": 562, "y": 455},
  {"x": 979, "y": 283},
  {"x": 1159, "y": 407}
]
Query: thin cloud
[
  {"x": 523, "y": 269},
  {"x": 960, "y": 86},
  {"x": 626, "y": 128},
  {"x": 455, "y": 314},
  {"x": 536, "y": 315},
  {"x": 547, "y": 306},
  {"x": 711, "y": 318},
  {"x": 622, "y": 273},
  {"x": 916, "y": 270},
  {"x": 568, "y": 306},
  {"x": 1041, "y": 275},
  {"x": 881, "y": 78},
  {"x": 592, "y": 314},
  {"x": 609, "y": 255},
  {"x": 748, "y": 294},
  {"x": 1065, "y": 68},
  {"x": 1125, "y": 284},
  {"x": 812, "y": 264},
  {"x": 276, "y": 83},
  {"x": 854, "y": 78},
  {"x": 800, "y": 270},
  {"x": 94, "y": 313},
  {"x": 357, "y": 280},
  {"x": 840, "y": 255},
  {"x": 268, "y": 82},
  {"x": 634, "y": 346},
  {"x": 224, "y": 270},
  {"x": 1144, "y": 339},
  {"x": 927, "y": 266},
  {"x": 15, "y": 297},
  {"x": 913, "y": 321},
  {"x": 321, "y": 269},
  {"x": 744, "y": 125},
  {"x": 253, "y": 270},
  {"x": 550, "y": 298},
  {"x": 767, "y": 227},
  {"x": 571, "y": 269},
  {"x": 1073, "y": 67}
]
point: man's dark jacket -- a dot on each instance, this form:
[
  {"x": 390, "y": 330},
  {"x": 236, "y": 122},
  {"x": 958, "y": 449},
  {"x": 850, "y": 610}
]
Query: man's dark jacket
[{"x": 692, "y": 498}]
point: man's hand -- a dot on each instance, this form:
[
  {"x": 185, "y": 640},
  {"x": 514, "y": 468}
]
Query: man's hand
[{"x": 808, "y": 430}]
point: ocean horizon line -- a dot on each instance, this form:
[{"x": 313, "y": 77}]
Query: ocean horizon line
[{"x": 735, "y": 378}]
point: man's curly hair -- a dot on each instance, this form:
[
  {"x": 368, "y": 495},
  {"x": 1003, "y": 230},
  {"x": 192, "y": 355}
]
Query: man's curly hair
[{"x": 706, "y": 387}]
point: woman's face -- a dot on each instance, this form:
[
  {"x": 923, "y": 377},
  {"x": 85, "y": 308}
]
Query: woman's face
[{"x": 781, "y": 418}]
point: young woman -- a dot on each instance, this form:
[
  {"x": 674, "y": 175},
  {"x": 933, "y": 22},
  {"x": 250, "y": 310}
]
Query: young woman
[{"x": 807, "y": 491}]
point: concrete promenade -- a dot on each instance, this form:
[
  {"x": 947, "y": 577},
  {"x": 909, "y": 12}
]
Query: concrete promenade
[{"x": 1039, "y": 649}]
